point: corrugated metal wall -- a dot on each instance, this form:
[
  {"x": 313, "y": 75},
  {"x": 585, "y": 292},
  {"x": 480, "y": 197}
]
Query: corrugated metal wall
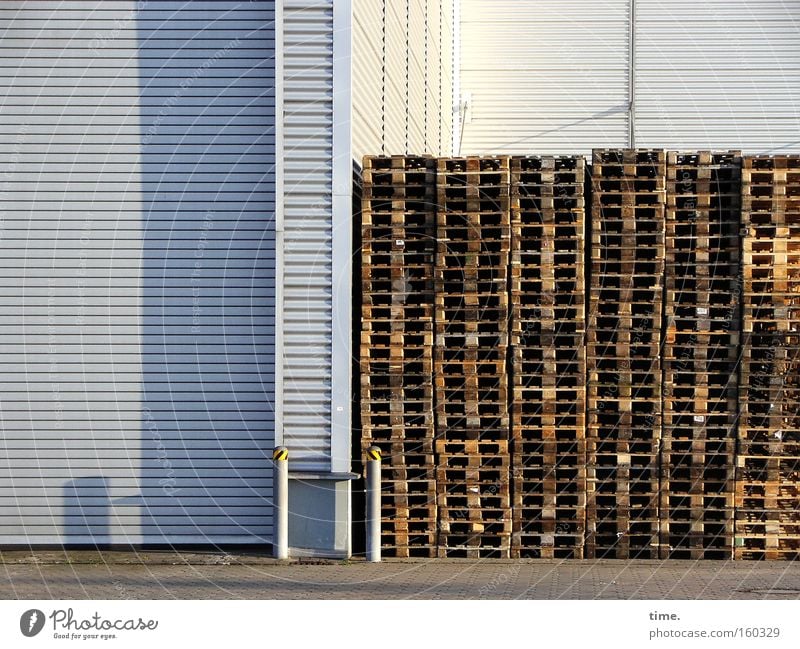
[
  {"x": 306, "y": 312},
  {"x": 447, "y": 75},
  {"x": 718, "y": 74},
  {"x": 136, "y": 271},
  {"x": 544, "y": 76},
  {"x": 395, "y": 74},
  {"x": 395, "y": 77},
  {"x": 368, "y": 72},
  {"x": 402, "y": 76},
  {"x": 553, "y": 77}
]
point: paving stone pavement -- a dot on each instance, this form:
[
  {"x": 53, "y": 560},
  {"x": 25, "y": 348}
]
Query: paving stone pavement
[{"x": 224, "y": 577}]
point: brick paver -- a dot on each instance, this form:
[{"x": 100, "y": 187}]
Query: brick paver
[{"x": 182, "y": 578}]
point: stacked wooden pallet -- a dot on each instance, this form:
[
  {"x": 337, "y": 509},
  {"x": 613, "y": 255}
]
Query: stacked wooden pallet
[
  {"x": 396, "y": 351},
  {"x": 768, "y": 459},
  {"x": 548, "y": 356},
  {"x": 623, "y": 356},
  {"x": 473, "y": 240},
  {"x": 700, "y": 354}
]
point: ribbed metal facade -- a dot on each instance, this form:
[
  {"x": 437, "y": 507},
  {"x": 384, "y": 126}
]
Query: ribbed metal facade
[
  {"x": 136, "y": 271},
  {"x": 544, "y": 76},
  {"x": 448, "y": 19},
  {"x": 368, "y": 75},
  {"x": 306, "y": 311},
  {"x": 558, "y": 77},
  {"x": 718, "y": 74},
  {"x": 402, "y": 77}
]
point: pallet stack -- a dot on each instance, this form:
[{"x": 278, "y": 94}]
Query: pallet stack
[
  {"x": 768, "y": 459},
  {"x": 471, "y": 381},
  {"x": 700, "y": 354},
  {"x": 396, "y": 352},
  {"x": 623, "y": 356},
  {"x": 548, "y": 357}
]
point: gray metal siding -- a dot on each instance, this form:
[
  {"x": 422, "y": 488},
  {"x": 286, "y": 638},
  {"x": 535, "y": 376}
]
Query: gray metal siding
[
  {"x": 306, "y": 312},
  {"x": 545, "y": 76},
  {"x": 555, "y": 77},
  {"x": 136, "y": 271},
  {"x": 718, "y": 74}
]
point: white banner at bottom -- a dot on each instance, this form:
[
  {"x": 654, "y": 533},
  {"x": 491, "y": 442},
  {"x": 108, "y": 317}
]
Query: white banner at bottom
[{"x": 193, "y": 624}]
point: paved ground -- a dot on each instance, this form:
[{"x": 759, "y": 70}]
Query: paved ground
[{"x": 219, "y": 576}]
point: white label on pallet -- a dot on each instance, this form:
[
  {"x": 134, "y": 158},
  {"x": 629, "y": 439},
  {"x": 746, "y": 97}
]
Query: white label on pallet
[
  {"x": 701, "y": 310},
  {"x": 399, "y": 243},
  {"x": 699, "y": 418}
]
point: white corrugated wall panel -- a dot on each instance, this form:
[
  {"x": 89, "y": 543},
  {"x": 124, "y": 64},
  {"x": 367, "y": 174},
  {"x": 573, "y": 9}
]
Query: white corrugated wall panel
[
  {"x": 402, "y": 64},
  {"x": 306, "y": 312},
  {"x": 544, "y": 76},
  {"x": 136, "y": 271},
  {"x": 718, "y": 74},
  {"x": 367, "y": 64},
  {"x": 433, "y": 77},
  {"x": 396, "y": 77},
  {"x": 417, "y": 61},
  {"x": 447, "y": 31}
]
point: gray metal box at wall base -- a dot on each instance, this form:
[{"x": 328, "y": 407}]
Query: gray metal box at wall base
[{"x": 319, "y": 515}]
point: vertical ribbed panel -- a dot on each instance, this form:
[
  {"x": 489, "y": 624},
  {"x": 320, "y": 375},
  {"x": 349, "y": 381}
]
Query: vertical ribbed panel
[
  {"x": 368, "y": 69},
  {"x": 306, "y": 310},
  {"x": 545, "y": 76},
  {"x": 402, "y": 77},
  {"x": 433, "y": 77},
  {"x": 718, "y": 74},
  {"x": 417, "y": 62},
  {"x": 447, "y": 73},
  {"x": 396, "y": 84}
]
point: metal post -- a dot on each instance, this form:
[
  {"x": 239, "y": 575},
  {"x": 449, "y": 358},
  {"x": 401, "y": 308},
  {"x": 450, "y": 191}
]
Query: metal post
[
  {"x": 280, "y": 458},
  {"x": 373, "y": 504}
]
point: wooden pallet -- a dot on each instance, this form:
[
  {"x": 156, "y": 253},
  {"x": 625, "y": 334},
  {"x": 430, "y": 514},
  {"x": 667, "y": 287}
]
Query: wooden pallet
[
  {"x": 416, "y": 547},
  {"x": 487, "y": 165},
  {"x": 473, "y": 546},
  {"x": 622, "y": 508},
  {"x": 680, "y": 541},
  {"x": 623, "y": 336},
  {"x": 547, "y": 287},
  {"x": 545, "y": 533},
  {"x": 767, "y": 488},
  {"x": 770, "y": 186},
  {"x": 398, "y": 230}
]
